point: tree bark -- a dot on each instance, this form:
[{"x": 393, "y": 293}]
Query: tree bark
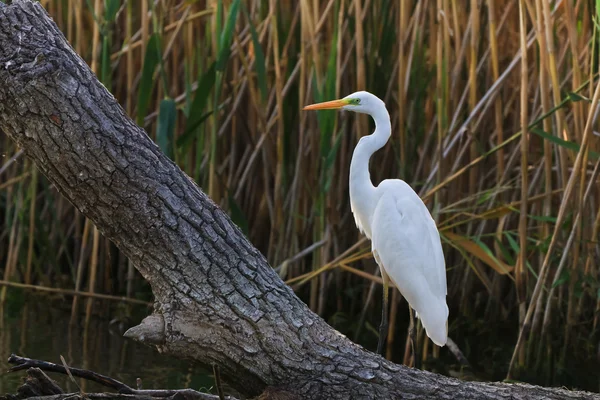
[{"x": 216, "y": 298}]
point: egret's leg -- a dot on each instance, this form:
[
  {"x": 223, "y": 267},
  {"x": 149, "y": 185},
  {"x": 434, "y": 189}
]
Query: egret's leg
[
  {"x": 412, "y": 332},
  {"x": 383, "y": 328}
]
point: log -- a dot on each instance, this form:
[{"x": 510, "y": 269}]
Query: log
[{"x": 217, "y": 300}]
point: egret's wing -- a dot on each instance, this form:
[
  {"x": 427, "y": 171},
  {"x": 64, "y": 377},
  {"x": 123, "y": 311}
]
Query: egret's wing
[
  {"x": 408, "y": 246},
  {"x": 437, "y": 267}
]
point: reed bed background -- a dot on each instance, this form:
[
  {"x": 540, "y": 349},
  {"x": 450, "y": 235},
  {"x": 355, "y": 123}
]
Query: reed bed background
[{"x": 493, "y": 107}]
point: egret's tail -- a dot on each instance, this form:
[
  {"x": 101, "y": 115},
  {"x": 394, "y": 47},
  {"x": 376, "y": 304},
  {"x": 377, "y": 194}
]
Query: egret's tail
[{"x": 435, "y": 321}]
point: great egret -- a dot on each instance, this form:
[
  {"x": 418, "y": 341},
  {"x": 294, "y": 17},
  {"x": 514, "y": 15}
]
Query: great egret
[{"x": 404, "y": 238}]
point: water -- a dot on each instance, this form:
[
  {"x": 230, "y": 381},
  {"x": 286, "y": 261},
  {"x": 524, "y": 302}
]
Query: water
[{"x": 38, "y": 328}]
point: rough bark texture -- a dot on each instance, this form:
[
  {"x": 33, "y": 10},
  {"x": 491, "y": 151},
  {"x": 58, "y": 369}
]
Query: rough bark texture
[{"x": 217, "y": 299}]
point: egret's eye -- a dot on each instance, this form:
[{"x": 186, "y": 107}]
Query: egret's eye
[{"x": 354, "y": 102}]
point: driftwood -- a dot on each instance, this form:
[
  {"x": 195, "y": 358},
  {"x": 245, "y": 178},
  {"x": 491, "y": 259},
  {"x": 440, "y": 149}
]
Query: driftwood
[
  {"x": 38, "y": 385},
  {"x": 217, "y": 300},
  {"x": 21, "y": 363}
]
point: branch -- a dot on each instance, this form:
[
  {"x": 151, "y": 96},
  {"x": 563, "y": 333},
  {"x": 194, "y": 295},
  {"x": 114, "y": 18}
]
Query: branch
[
  {"x": 38, "y": 383},
  {"x": 22, "y": 363}
]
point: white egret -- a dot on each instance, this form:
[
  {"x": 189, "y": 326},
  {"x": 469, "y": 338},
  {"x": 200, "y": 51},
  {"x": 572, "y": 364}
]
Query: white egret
[{"x": 404, "y": 238}]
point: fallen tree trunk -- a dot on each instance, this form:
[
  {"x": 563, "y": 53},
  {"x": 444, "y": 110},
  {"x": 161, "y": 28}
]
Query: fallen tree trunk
[{"x": 216, "y": 298}]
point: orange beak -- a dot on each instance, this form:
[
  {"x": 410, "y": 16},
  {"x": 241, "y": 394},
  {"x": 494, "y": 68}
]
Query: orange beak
[{"x": 328, "y": 105}]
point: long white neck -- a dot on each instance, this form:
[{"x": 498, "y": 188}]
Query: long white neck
[{"x": 362, "y": 191}]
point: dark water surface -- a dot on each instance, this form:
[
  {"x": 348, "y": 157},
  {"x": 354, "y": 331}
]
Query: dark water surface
[{"x": 38, "y": 328}]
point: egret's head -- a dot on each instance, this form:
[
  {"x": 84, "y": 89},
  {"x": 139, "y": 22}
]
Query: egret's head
[{"x": 361, "y": 102}]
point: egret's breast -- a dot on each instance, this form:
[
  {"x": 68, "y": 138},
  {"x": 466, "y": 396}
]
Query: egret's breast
[{"x": 361, "y": 218}]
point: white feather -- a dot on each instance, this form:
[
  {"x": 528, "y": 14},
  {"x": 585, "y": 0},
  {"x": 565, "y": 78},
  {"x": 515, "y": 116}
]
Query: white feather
[{"x": 409, "y": 250}]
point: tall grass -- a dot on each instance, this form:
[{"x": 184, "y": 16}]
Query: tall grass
[{"x": 493, "y": 108}]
